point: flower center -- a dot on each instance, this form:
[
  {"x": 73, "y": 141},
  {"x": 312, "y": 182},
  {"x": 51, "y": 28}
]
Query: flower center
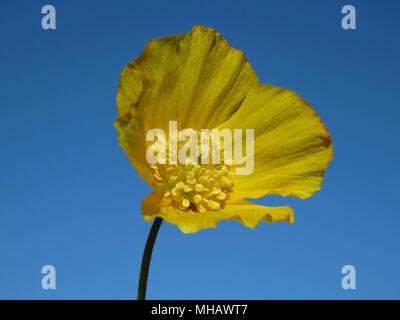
[
  {"x": 191, "y": 184},
  {"x": 195, "y": 187}
]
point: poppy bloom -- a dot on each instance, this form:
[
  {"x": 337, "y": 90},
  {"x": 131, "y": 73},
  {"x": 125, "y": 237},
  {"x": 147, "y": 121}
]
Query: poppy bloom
[{"x": 198, "y": 81}]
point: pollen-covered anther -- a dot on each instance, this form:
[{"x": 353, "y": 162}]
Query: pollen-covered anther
[
  {"x": 213, "y": 205},
  {"x": 194, "y": 187},
  {"x": 185, "y": 203},
  {"x": 156, "y": 173},
  {"x": 198, "y": 187},
  {"x": 221, "y": 196},
  {"x": 196, "y": 199}
]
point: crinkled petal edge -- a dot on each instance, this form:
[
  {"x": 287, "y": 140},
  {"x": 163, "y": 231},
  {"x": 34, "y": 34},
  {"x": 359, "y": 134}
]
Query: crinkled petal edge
[{"x": 244, "y": 211}]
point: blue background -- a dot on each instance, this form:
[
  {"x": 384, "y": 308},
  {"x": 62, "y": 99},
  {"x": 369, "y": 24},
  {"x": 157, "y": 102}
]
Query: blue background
[{"x": 69, "y": 196}]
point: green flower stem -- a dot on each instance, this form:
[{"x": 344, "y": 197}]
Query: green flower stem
[{"x": 148, "y": 250}]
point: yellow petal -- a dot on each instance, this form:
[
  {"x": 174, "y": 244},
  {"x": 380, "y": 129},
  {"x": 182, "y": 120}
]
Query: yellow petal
[
  {"x": 292, "y": 147},
  {"x": 132, "y": 140},
  {"x": 197, "y": 79},
  {"x": 248, "y": 213}
]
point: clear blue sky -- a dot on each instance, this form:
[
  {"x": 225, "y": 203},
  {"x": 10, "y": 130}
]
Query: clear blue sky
[{"x": 69, "y": 196}]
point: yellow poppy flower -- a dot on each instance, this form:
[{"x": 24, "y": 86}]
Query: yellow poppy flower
[{"x": 198, "y": 80}]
